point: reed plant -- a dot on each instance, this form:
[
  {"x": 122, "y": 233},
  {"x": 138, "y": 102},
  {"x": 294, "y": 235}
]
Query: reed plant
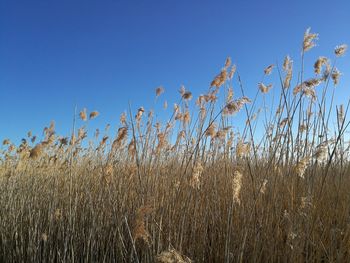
[{"x": 193, "y": 188}]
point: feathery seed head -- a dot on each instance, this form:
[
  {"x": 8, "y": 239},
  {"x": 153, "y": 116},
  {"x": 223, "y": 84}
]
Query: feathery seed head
[
  {"x": 321, "y": 153},
  {"x": 187, "y": 95},
  {"x": 340, "y": 50},
  {"x": 263, "y": 186},
  {"x": 306, "y": 202},
  {"x": 308, "y": 84},
  {"x": 219, "y": 80},
  {"x": 179, "y": 116},
  {"x": 200, "y": 100},
  {"x": 36, "y": 151},
  {"x": 319, "y": 63},
  {"x": 172, "y": 256},
  {"x": 232, "y": 72},
  {"x": 310, "y": 92},
  {"x": 236, "y": 186},
  {"x": 122, "y": 119},
  {"x": 196, "y": 175},
  {"x": 242, "y": 149},
  {"x": 283, "y": 122},
  {"x": 229, "y": 95},
  {"x": 268, "y": 69},
  {"x": 287, "y": 79},
  {"x": 311, "y": 83},
  {"x": 186, "y": 117},
  {"x": 82, "y": 133},
  {"x": 6, "y": 142},
  {"x": 211, "y": 130},
  {"x": 235, "y": 106},
  {"x": 302, "y": 127},
  {"x": 301, "y": 166},
  {"x": 132, "y": 149},
  {"x": 203, "y": 113},
  {"x": 139, "y": 230},
  {"x": 263, "y": 88},
  {"x": 159, "y": 91},
  {"x": 287, "y": 64},
  {"x": 227, "y": 63},
  {"x": 121, "y": 137},
  {"x": 94, "y": 114},
  {"x": 103, "y": 141},
  {"x": 58, "y": 214},
  {"x": 309, "y": 38},
  {"x": 335, "y": 76},
  {"x": 326, "y": 72},
  {"x": 83, "y": 115},
  {"x": 139, "y": 114}
]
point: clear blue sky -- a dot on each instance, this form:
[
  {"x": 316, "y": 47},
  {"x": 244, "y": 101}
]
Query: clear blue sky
[{"x": 101, "y": 54}]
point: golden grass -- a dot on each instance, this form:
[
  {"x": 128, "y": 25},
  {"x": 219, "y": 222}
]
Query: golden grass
[{"x": 194, "y": 189}]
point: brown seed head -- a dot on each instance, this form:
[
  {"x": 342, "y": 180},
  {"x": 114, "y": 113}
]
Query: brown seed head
[
  {"x": 301, "y": 166},
  {"x": 121, "y": 137},
  {"x": 196, "y": 175},
  {"x": 308, "y": 84},
  {"x": 187, "y": 95},
  {"x": 103, "y": 141},
  {"x": 122, "y": 118},
  {"x": 211, "y": 131},
  {"x": 139, "y": 114},
  {"x": 287, "y": 64},
  {"x": 172, "y": 256},
  {"x": 228, "y": 62},
  {"x": 58, "y": 214},
  {"x": 236, "y": 186},
  {"x": 340, "y": 50},
  {"x": 319, "y": 63},
  {"x": 335, "y": 76},
  {"x": 229, "y": 95},
  {"x": 321, "y": 152},
  {"x": 268, "y": 69},
  {"x": 159, "y": 91},
  {"x": 94, "y": 114},
  {"x": 186, "y": 117},
  {"x": 83, "y": 115},
  {"x": 132, "y": 149},
  {"x": 264, "y": 89},
  {"x": 235, "y": 106},
  {"x": 232, "y": 72},
  {"x": 219, "y": 80},
  {"x": 6, "y": 142},
  {"x": 139, "y": 231},
  {"x": 36, "y": 151},
  {"x": 309, "y": 38},
  {"x": 242, "y": 149}
]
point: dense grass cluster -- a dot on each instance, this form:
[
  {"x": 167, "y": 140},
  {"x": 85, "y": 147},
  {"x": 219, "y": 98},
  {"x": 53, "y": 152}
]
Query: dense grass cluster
[{"x": 195, "y": 188}]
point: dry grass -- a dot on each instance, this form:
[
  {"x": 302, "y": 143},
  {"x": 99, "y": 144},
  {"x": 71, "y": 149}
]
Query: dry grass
[{"x": 194, "y": 188}]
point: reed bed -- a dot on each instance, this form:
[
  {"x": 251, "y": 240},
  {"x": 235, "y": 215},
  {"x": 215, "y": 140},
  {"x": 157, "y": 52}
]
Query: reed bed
[{"x": 194, "y": 188}]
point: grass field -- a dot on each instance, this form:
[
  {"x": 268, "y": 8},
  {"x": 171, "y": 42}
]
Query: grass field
[{"x": 193, "y": 188}]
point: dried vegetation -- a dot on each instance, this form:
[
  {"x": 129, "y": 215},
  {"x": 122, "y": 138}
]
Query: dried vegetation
[{"x": 195, "y": 188}]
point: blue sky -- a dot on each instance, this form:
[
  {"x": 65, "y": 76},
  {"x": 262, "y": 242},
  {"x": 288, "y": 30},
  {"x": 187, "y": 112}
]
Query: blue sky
[{"x": 101, "y": 54}]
